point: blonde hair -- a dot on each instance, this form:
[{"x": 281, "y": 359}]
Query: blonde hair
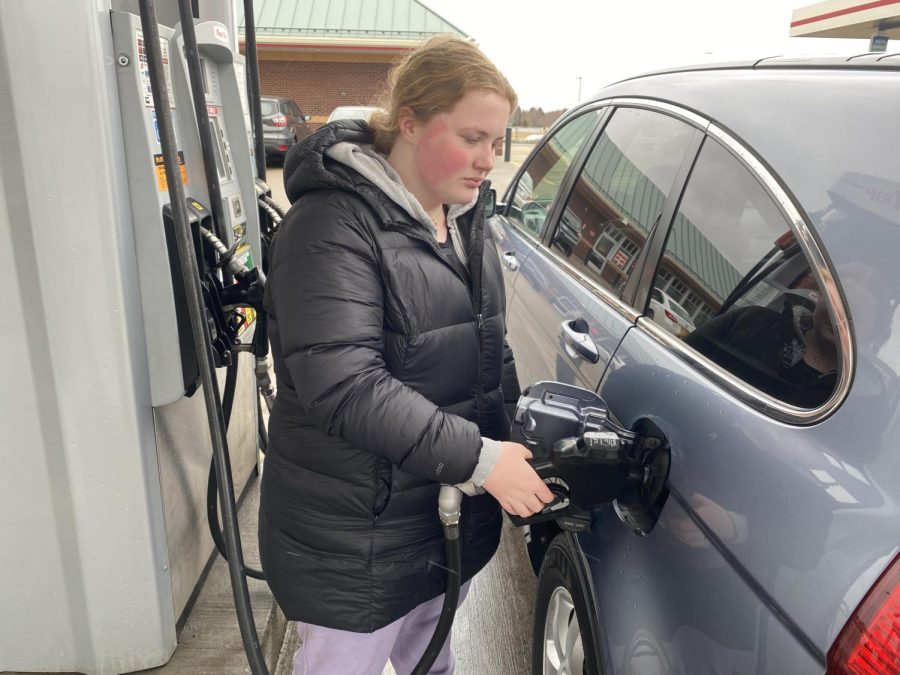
[{"x": 432, "y": 79}]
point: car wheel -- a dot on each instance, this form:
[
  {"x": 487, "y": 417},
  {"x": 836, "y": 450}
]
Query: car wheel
[{"x": 562, "y": 639}]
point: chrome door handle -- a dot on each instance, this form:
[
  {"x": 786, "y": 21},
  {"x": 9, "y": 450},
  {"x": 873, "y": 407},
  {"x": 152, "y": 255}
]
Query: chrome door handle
[
  {"x": 577, "y": 340},
  {"x": 509, "y": 259}
]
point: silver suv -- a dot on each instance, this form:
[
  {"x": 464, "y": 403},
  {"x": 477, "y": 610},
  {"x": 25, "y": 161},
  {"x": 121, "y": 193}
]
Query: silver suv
[
  {"x": 283, "y": 125},
  {"x": 764, "y": 199}
]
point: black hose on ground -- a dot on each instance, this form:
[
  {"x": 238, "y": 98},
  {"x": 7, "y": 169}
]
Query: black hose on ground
[
  {"x": 201, "y": 336},
  {"x": 212, "y": 485}
]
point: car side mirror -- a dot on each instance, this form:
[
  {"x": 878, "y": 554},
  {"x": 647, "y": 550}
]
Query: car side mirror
[
  {"x": 307, "y": 118},
  {"x": 493, "y": 207},
  {"x": 490, "y": 206}
]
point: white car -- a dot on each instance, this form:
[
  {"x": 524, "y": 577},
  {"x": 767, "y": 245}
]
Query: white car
[
  {"x": 352, "y": 112},
  {"x": 669, "y": 314}
]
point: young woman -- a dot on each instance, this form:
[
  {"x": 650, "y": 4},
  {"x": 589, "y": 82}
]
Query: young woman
[{"x": 387, "y": 325}]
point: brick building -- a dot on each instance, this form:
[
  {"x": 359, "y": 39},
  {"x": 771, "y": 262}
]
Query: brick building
[{"x": 326, "y": 53}]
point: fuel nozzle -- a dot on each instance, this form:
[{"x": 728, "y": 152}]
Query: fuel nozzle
[{"x": 584, "y": 457}]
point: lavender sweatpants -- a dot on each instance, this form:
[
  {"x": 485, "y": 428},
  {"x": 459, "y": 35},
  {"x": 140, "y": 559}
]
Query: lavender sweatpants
[{"x": 327, "y": 651}]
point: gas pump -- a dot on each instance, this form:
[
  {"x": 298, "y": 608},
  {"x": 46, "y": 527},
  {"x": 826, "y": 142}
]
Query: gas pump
[
  {"x": 217, "y": 187},
  {"x": 118, "y": 464}
]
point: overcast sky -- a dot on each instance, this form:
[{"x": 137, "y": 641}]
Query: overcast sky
[{"x": 544, "y": 46}]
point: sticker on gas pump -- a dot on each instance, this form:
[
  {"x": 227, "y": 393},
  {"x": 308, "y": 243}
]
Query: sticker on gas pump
[
  {"x": 156, "y": 127},
  {"x": 249, "y": 315},
  {"x": 144, "y": 69},
  {"x": 160, "y": 167}
]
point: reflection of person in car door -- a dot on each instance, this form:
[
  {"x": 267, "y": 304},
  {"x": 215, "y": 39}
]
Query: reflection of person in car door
[{"x": 790, "y": 354}]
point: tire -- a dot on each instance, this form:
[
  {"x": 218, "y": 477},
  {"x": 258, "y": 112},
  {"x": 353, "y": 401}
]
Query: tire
[{"x": 562, "y": 640}]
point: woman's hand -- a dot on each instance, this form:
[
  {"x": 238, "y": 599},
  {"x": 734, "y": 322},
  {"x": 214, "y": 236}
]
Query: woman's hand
[{"x": 515, "y": 484}]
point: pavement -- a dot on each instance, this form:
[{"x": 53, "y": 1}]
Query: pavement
[{"x": 492, "y": 632}]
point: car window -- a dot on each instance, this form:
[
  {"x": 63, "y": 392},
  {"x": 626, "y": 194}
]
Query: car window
[
  {"x": 287, "y": 109},
  {"x": 620, "y": 193},
  {"x": 751, "y": 300},
  {"x": 539, "y": 184},
  {"x": 268, "y": 107}
]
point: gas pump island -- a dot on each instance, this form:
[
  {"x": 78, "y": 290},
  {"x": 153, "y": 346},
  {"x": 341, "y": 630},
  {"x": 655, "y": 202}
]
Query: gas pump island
[
  {"x": 133, "y": 233},
  {"x": 106, "y": 451}
]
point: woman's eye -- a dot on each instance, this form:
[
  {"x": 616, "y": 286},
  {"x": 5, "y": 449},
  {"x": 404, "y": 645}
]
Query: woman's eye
[{"x": 471, "y": 141}]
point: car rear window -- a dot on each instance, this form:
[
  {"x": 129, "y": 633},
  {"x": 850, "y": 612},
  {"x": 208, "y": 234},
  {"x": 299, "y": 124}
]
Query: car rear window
[
  {"x": 268, "y": 107},
  {"x": 732, "y": 262}
]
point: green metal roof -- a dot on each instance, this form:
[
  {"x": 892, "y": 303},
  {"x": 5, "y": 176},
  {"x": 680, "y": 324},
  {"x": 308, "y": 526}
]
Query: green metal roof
[{"x": 404, "y": 19}]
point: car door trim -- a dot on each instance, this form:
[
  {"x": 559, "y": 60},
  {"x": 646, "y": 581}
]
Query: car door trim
[{"x": 661, "y": 106}]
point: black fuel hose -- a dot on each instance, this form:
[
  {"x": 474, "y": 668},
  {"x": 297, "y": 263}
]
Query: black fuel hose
[
  {"x": 201, "y": 336},
  {"x": 195, "y": 81},
  {"x": 212, "y": 484},
  {"x": 253, "y": 91},
  {"x": 449, "y": 503}
]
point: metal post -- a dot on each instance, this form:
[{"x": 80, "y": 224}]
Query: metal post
[{"x": 507, "y": 144}]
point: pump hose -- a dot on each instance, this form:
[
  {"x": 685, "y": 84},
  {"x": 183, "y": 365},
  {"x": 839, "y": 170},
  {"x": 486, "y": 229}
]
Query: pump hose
[
  {"x": 265, "y": 388},
  {"x": 212, "y": 485},
  {"x": 273, "y": 213},
  {"x": 200, "y": 331},
  {"x": 275, "y": 205},
  {"x": 449, "y": 503}
]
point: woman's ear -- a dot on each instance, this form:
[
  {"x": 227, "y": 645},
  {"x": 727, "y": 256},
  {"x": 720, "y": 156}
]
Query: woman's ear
[{"x": 408, "y": 125}]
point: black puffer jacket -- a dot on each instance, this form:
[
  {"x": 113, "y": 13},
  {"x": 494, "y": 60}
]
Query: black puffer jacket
[{"x": 389, "y": 368}]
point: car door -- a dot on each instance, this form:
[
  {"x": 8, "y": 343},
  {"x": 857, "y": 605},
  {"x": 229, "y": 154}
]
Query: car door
[
  {"x": 732, "y": 577},
  {"x": 567, "y": 314}
]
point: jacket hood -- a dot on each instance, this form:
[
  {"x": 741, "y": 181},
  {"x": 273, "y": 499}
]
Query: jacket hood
[
  {"x": 341, "y": 156},
  {"x": 305, "y": 164}
]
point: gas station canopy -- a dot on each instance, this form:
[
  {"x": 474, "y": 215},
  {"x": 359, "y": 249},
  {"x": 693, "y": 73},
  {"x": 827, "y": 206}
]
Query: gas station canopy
[{"x": 847, "y": 19}]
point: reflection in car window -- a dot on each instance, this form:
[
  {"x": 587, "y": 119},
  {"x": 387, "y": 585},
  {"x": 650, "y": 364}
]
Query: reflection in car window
[
  {"x": 620, "y": 194},
  {"x": 538, "y": 185},
  {"x": 736, "y": 286}
]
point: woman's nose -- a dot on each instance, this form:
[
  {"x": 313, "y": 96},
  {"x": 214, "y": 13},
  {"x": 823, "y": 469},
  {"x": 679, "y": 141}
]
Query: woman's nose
[{"x": 485, "y": 159}]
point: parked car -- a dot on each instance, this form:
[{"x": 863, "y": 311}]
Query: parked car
[
  {"x": 352, "y": 112},
  {"x": 669, "y": 314},
  {"x": 283, "y": 125},
  {"x": 765, "y": 195}
]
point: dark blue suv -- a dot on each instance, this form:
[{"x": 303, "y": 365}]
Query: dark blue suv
[{"x": 764, "y": 200}]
